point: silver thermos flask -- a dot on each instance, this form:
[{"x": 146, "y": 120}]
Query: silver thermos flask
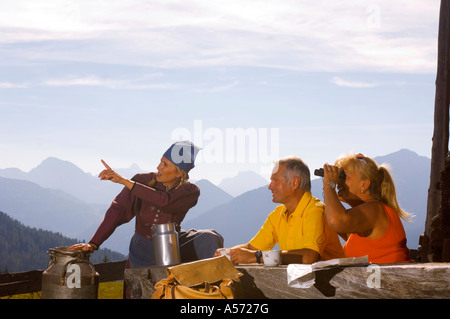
[{"x": 166, "y": 244}]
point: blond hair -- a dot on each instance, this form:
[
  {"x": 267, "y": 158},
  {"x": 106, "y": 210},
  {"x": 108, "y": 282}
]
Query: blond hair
[
  {"x": 184, "y": 177},
  {"x": 381, "y": 187}
]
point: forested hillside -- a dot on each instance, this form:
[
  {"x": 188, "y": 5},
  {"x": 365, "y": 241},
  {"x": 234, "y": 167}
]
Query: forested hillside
[{"x": 24, "y": 248}]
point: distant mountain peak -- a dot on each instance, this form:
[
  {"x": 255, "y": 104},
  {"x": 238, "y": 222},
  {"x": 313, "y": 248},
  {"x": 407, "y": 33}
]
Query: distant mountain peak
[
  {"x": 403, "y": 151},
  {"x": 244, "y": 181},
  {"x": 53, "y": 163},
  {"x": 243, "y": 175},
  {"x": 135, "y": 166},
  {"x": 54, "y": 160}
]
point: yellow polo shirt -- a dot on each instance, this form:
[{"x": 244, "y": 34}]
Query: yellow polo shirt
[{"x": 305, "y": 228}]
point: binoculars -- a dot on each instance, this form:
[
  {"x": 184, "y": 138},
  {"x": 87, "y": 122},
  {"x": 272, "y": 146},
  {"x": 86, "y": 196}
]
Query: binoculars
[{"x": 320, "y": 172}]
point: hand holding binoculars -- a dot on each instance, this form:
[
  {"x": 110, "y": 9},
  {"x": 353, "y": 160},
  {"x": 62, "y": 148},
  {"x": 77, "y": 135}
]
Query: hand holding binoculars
[{"x": 320, "y": 172}]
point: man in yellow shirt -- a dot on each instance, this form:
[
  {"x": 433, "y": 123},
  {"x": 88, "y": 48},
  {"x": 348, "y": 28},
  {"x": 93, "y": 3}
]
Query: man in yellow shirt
[{"x": 298, "y": 225}]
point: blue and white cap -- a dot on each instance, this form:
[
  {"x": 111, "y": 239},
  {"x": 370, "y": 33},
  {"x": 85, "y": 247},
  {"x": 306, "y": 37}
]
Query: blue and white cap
[{"x": 182, "y": 154}]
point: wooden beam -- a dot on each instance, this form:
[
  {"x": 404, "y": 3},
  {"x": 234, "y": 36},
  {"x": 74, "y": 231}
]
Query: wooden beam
[
  {"x": 394, "y": 281},
  {"x": 441, "y": 127},
  {"x": 20, "y": 283}
]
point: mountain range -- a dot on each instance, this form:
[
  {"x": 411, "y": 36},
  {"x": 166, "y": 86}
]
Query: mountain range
[
  {"x": 60, "y": 197},
  {"x": 54, "y": 173}
]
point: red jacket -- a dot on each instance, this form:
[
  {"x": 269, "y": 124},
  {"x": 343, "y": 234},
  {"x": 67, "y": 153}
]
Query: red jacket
[{"x": 151, "y": 205}]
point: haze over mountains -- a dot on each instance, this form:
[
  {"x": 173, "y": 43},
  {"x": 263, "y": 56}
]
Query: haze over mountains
[
  {"x": 62, "y": 175},
  {"x": 60, "y": 197},
  {"x": 243, "y": 182}
]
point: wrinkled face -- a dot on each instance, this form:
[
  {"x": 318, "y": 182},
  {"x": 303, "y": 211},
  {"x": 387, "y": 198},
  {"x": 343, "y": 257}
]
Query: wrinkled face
[
  {"x": 167, "y": 173},
  {"x": 281, "y": 190}
]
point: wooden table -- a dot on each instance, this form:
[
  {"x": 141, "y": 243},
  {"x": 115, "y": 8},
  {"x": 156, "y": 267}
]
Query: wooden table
[{"x": 391, "y": 281}]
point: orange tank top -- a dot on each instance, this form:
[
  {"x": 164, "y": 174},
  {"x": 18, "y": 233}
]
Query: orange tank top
[{"x": 389, "y": 248}]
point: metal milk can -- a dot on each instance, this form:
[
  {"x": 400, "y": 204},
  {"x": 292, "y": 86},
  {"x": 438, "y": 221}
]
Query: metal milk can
[
  {"x": 166, "y": 244},
  {"x": 70, "y": 275}
]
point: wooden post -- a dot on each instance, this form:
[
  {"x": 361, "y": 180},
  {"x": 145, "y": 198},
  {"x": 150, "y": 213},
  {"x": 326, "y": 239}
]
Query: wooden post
[
  {"x": 444, "y": 214},
  {"x": 441, "y": 128}
]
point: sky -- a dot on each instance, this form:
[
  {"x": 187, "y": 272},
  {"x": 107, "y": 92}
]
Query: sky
[{"x": 248, "y": 81}]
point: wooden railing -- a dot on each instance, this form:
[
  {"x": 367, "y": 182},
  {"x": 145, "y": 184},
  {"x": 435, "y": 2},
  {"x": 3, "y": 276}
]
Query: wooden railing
[{"x": 31, "y": 281}]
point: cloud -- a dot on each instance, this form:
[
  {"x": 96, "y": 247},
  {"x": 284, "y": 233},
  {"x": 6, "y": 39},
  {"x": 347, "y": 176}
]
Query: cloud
[
  {"x": 8, "y": 85},
  {"x": 352, "y": 84},
  {"x": 324, "y": 35},
  {"x": 94, "y": 80},
  {"x": 220, "y": 88},
  {"x": 84, "y": 81}
]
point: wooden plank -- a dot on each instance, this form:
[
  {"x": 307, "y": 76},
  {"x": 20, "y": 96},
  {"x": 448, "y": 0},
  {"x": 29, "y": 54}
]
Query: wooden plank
[
  {"x": 405, "y": 281},
  {"x": 23, "y": 276},
  {"x": 20, "y": 283},
  {"x": 111, "y": 271},
  {"x": 440, "y": 138}
]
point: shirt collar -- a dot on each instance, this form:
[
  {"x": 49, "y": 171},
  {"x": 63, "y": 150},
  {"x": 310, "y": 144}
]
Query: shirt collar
[
  {"x": 174, "y": 187},
  {"x": 302, "y": 204}
]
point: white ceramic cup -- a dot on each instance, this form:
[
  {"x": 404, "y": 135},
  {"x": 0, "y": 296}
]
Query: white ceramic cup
[
  {"x": 225, "y": 252},
  {"x": 271, "y": 258}
]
